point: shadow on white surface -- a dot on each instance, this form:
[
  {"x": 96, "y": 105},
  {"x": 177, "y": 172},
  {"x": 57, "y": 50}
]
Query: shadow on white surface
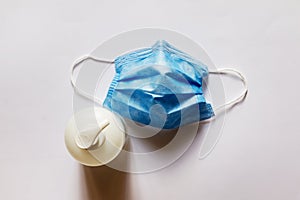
[
  {"x": 158, "y": 141},
  {"x": 105, "y": 183}
]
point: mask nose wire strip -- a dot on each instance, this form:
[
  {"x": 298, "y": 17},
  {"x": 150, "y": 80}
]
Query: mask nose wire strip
[
  {"x": 229, "y": 71},
  {"x": 233, "y": 102},
  {"x": 72, "y": 78}
]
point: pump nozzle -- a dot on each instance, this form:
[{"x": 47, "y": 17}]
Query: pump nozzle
[{"x": 87, "y": 138}]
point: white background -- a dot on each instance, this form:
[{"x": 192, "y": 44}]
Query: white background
[{"x": 258, "y": 155}]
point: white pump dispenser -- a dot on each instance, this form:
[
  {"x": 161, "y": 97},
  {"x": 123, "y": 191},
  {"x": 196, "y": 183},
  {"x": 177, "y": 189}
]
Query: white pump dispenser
[{"x": 94, "y": 136}]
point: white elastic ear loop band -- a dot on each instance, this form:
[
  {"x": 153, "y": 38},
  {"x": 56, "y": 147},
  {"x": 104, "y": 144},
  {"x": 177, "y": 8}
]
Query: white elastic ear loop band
[
  {"x": 238, "y": 74},
  {"x": 231, "y": 103},
  {"x": 72, "y": 79}
]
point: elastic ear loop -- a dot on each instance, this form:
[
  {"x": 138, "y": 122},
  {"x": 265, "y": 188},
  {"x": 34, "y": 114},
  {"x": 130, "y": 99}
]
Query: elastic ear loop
[
  {"x": 72, "y": 79},
  {"x": 240, "y": 98}
]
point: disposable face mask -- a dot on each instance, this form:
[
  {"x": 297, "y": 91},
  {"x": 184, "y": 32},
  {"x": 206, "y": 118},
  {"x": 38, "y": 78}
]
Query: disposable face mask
[{"x": 159, "y": 86}]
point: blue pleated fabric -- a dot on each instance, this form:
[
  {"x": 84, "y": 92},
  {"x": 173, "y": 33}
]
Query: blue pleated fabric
[{"x": 159, "y": 86}]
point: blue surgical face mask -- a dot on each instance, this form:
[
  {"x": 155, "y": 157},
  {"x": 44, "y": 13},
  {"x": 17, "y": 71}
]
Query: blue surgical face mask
[{"x": 159, "y": 86}]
